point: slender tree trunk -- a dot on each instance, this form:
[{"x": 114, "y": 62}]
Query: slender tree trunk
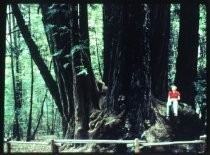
[
  {"x": 52, "y": 130},
  {"x": 186, "y": 65},
  {"x": 31, "y": 105},
  {"x": 47, "y": 121},
  {"x": 2, "y": 67},
  {"x": 12, "y": 49},
  {"x": 28, "y": 137},
  {"x": 40, "y": 117},
  {"x": 17, "y": 84},
  {"x": 98, "y": 56}
]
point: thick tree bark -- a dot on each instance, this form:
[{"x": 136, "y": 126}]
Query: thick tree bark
[
  {"x": 186, "y": 65},
  {"x": 159, "y": 40},
  {"x": 111, "y": 27},
  {"x": 129, "y": 79}
]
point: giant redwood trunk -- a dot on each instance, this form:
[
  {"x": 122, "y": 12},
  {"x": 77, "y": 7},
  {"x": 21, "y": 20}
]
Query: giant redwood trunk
[
  {"x": 186, "y": 65},
  {"x": 159, "y": 40},
  {"x": 128, "y": 60}
]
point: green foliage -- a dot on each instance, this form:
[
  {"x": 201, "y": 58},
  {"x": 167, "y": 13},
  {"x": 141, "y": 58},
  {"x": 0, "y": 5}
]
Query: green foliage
[
  {"x": 202, "y": 22},
  {"x": 95, "y": 22},
  {"x": 78, "y": 48},
  {"x": 66, "y": 65},
  {"x": 38, "y": 34},
  {"x": 200, "y": 83},
  {"x": 82, "y": 71},
  {"x": 49, "y": 27},
  {"x": 50, "y": 111},
  {"x": 52, "y": 11},
  {"x": 57, "y": 53},
  {"x": 173, "y": 45}
]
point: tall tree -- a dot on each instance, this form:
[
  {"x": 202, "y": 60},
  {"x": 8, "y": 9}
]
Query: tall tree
[
  {"x": 2, "y": 68},
  {"x": 160, "y": 26},
  {"x": 16, "y": 74},
  {"x": 127, "y": 57},
  {"x": 29, "y": 136},
  {"x": 186, "y": 65}
]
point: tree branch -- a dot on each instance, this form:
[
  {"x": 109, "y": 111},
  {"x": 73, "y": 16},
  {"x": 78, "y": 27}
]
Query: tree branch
[{"x": 35, "y": 54}]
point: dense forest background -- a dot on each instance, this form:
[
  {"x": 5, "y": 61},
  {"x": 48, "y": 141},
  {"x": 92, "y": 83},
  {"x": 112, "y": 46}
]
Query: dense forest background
[{"x": 86, "y": 70}]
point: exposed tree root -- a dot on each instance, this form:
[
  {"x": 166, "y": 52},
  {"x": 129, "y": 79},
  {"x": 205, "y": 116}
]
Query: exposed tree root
[{"x": 187, "y": 126}]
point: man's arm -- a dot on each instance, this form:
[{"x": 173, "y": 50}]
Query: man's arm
[{"x": 168, "y": 95}]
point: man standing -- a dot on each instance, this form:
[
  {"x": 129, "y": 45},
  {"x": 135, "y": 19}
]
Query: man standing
[{"x": 173, "y": 98}]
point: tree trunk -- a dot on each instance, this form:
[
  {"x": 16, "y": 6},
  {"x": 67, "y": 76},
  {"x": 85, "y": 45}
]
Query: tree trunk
[
  {"x": 57, "y": 32},
  {"x": 80, "y": 80},
  {"x": 40, "y": 117},
  {"x": 160, "y": 26},
  {"x": 2, "y": 67},
  {"x": 111, "y": 28},
  {"x": 72, "y": 57},
  {"x": 186, "y": 65},
  {"x": 51, "y": 84},
  {"x": 28, "y": 137},
  {"x": 84, "y": 36},
  {"x": 129, "y": 79},
  {"x": 17, "y": 84}
]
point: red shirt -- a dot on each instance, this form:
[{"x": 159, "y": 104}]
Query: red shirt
[{"x": 172, "y": 94}]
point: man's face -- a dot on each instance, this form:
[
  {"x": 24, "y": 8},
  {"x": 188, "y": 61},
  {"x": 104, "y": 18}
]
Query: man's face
[{"x": 173, "y": 88}]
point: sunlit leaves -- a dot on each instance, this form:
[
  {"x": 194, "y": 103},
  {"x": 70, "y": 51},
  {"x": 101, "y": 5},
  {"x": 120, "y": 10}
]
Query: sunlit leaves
[
  {"x": 57, "y": 53},
  {"x": 49, "y": 27}
]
